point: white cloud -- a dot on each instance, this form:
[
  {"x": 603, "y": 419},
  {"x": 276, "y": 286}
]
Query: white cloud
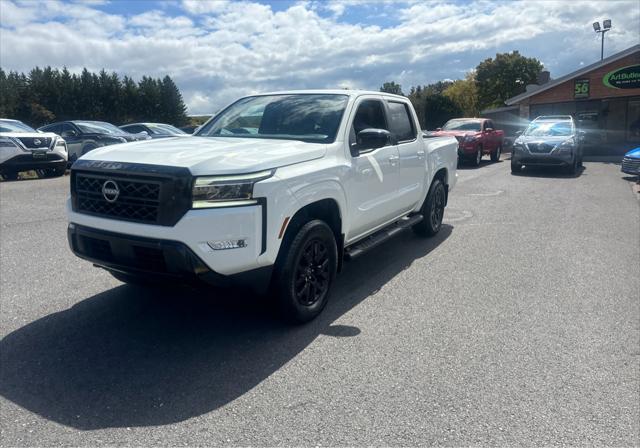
[{"x": 219, "y": 50}]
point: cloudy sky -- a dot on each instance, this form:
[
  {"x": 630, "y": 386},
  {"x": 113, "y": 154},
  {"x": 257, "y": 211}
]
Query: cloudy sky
[{"x": 219, "y": 50}]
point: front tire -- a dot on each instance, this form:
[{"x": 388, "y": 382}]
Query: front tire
[
  {"x": 432, "y": 210},
  {"x": 478, "y": 157},
  {"x": 304, "y": 276},
  {"x": 573, "y": 168}
]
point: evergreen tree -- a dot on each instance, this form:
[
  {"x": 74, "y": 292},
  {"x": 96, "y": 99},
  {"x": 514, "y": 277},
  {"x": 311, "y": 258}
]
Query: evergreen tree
[{"x": 49, "y": 94}]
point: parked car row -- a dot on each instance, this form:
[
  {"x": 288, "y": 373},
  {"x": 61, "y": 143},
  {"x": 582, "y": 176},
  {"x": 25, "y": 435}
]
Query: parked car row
[
  {"x": 50, "y": 149},
  {"x": 553, "y": 140}
]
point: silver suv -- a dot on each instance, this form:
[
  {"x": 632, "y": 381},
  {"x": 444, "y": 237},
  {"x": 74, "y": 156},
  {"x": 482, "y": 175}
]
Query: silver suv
[{"x": 551, "y": 140}]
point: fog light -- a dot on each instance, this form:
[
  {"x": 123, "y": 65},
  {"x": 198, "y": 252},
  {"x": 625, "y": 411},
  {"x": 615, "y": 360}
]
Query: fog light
[{"x": 227, "y": 244}]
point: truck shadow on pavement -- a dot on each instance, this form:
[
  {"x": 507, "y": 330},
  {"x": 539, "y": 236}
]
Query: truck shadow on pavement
[{"x": 131, "y": 357}]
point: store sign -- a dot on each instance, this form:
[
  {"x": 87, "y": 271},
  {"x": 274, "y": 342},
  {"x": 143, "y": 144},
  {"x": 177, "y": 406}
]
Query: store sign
[
  {"x": 581, "y": 88},
  {"x": 623, "y": 78}
]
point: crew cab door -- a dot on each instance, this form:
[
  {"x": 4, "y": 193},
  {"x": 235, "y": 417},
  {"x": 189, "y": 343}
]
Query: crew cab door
[
  {"x": 372, "y": 188},
  {"x": 411, "y": 151}
]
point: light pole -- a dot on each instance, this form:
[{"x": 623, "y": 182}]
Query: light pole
[{"x": 606, "y": 26}]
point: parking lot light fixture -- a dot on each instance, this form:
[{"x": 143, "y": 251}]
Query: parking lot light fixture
[{"x": 606, "y": 26}]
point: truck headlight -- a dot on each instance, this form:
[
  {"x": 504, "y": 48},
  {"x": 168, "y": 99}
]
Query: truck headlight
[
  {"x": 7, "y": 142},
  {"x": 225, "y": 191}
]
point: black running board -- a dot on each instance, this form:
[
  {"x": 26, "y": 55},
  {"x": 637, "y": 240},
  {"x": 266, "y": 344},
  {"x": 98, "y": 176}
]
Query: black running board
[{"x": 380, "y": 236}]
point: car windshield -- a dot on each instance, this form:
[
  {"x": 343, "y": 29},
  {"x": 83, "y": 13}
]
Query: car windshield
[
  {"x": 99, "y": 127},
  {"x": 165, "y": 129},
  {"x": 462, "y": 125},
  {"x": 15, "y": 126},
  {"x": 549, "y": 129},
  {"x": 307, "y": 117}
]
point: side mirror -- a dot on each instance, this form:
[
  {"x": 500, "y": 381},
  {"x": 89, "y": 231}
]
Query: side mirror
[
  {"x": 373, "y": 138},
  {"x": 438, "y": 129},
  {"x": 67, "y": 134},
  {"x": 144, "y": 132},
  {"x": 489, "y": 130}
]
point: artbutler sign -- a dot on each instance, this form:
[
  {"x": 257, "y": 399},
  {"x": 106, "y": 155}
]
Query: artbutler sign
[{"x": 623, "y": 78}]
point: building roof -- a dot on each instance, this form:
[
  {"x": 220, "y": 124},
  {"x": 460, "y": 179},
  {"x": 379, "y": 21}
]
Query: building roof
[{"x": 551, "y": 84}]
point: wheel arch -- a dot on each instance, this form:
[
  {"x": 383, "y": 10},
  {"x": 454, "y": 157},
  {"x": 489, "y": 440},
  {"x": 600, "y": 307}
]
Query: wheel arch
[{"x": 325, "y": 209}]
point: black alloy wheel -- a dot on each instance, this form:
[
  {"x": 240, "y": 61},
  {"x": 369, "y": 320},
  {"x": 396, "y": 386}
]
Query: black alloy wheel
[
  {"x": 305, "y": 270},
  {"x": 432, "y": 210},
  {"x": 312, "y": 273},
  {"x": 437, "y": 210}
]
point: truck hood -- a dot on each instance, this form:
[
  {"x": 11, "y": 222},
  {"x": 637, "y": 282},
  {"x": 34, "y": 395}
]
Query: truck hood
[{"x": 212, "y": 155}]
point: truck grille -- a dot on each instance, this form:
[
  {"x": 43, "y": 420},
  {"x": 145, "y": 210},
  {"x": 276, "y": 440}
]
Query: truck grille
[
  {"x": 540, "y": 148},
  {"x": 144, "y": 193},
  {"x": 36, "y": 142},
  {"x": 631, "y": 165},
  {"x": 138, "y": 200}
]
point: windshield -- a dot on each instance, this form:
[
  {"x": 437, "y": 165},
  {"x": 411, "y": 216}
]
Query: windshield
[
  {"x": 98, "y": 127},
  {"x": 549, "y": 129},
  {"x": 165, "y": 129},
  {"x": 15, "y": 126},
  {"x": 307, "y": 117},
  {"x": 462, "y": 125}
]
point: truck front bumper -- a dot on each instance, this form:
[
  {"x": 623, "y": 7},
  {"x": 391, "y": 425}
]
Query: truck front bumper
[{"x": 156, "y": 258}]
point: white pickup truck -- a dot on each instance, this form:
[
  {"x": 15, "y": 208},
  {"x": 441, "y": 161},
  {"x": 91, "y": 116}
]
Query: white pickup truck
[{"x": 273, "y": 192}]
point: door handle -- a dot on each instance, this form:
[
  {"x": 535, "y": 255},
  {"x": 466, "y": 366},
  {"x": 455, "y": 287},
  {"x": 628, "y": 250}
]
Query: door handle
[
  {"x": 420, "y": 154},
  {"x": 394, "y": 160}
]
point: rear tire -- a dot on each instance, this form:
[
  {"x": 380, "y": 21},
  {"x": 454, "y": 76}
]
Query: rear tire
[
  {"x": 432, "y": 210},
  {"x": 304, "y": 275},
  {"x": 495, "y": 156}
]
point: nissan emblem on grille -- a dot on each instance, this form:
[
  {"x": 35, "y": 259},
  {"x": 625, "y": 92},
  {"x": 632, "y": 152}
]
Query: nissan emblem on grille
[
  {"x": 110, "y": 191},
  {"x": 37, "y": 141}
]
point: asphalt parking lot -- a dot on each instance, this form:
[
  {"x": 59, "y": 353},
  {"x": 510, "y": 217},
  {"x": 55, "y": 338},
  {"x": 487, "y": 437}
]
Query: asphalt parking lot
[{"x": 518, "y": 324}]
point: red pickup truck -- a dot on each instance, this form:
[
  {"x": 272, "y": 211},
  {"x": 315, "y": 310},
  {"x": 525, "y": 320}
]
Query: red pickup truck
[{"x": 476, "y": 137}]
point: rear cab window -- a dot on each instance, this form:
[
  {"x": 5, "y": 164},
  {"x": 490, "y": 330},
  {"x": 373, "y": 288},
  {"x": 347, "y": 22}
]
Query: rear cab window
[{"x": 400, "y": 121}]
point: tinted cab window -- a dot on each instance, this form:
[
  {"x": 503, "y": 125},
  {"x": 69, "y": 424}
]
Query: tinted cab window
[{"x": 400, "y": 122}]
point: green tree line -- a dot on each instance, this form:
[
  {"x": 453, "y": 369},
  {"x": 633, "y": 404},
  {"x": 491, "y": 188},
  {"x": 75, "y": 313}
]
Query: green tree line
[
  {"x": 492, "y": 82},
  {"x": 45, "y": 95}
]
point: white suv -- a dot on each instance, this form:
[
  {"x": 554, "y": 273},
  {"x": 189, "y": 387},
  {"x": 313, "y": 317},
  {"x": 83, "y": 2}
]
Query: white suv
[
  {"x": 274, "y": 191},
  {"x": 22, "y": 148}
]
